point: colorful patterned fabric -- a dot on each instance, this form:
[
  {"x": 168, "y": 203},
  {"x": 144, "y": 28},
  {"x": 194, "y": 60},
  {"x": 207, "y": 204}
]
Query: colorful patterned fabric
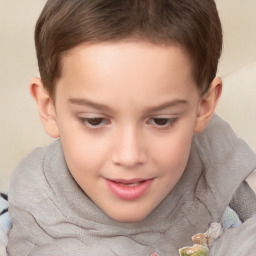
[{"x": 5, "y": 223}]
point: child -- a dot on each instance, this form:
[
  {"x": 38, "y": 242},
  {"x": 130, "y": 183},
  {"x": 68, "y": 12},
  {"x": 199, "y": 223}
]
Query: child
[{"x": 129, "y": 88}]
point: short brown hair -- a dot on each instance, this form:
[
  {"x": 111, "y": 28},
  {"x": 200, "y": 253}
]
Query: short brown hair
[{"x": 192, "y": 24}]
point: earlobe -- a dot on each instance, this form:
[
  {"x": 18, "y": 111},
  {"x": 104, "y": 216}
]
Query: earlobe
[
  {"x": 45, "y": 106},
  {"x": 207, "y": 105}
]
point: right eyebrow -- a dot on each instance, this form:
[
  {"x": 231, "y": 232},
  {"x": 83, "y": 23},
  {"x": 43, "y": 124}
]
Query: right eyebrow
[{"x": 88, "y": 103}]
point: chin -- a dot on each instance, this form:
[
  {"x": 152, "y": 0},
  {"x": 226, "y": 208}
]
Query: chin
[{"x": 128, "y": 218}]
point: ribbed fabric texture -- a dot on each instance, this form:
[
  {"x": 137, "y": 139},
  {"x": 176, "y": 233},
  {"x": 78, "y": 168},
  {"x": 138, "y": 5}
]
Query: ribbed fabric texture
[{"x": 244, "y": 201}]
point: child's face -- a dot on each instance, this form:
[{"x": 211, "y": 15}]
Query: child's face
[{"x": 126, "y": 113}]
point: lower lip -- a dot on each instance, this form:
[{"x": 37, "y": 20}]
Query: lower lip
[{"x": 125, "y": 192}]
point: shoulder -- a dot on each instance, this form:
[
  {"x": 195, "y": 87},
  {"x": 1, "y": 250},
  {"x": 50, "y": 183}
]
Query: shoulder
[
  {"x": 218, "y": 146},
  {"x": 28, "y": 180},
  {"x": 226, "y": 162},
  {"x": 218, "y": 140}
]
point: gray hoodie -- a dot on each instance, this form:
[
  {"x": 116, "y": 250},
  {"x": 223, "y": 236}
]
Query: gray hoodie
[{"x": 52, "y": 216}]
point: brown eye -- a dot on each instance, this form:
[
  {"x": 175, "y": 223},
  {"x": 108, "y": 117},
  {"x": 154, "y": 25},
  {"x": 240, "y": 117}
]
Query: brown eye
[
  {"x": 161, "y": 121},
  {"x": 95, "y": 121}
]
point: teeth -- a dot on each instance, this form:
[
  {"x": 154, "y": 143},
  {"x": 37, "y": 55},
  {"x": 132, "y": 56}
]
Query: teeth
[
  {"x": 130, "y": 185},
  {"x": 133, "y": 184}
]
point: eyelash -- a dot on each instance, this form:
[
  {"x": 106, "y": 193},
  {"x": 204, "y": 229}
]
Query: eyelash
[
  {"x": 167, "y": 122},
  {"x": 102, "y": 122}
]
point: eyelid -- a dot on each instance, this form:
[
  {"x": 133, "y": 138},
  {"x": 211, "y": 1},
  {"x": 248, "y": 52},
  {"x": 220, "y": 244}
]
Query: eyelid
[
  {"x": 85, "y": 122},
  {"x": 171, "y": 121}
]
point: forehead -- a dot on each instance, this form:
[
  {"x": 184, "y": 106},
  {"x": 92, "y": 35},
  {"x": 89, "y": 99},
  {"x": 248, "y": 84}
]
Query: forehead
[
  {"x": 126, "y": 66},
  {"x": 106, "y": 54}
]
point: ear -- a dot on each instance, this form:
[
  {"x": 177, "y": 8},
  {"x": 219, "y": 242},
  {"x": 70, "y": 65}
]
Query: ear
[
  {"x": 207, "y": 105},
  {"x": 45, "y": 106}
]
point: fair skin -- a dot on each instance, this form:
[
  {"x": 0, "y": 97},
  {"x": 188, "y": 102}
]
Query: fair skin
[{"x": 126, "y": 113}]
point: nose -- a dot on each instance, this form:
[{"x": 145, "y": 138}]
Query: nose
[{"x": 130, "y": 148}]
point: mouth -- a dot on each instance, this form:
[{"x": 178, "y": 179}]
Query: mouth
[{"x": 129, "y": 189}]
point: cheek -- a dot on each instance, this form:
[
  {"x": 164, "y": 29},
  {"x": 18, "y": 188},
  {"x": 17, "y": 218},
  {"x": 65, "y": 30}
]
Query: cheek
[
  {"x": 83, "y": 155},
  {"x": 172, "y": 154},
  {"x": 83, "y": 152}
]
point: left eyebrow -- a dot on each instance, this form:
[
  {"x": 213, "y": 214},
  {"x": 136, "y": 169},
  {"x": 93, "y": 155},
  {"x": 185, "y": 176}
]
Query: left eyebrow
[{"x": 173, "y": 103}]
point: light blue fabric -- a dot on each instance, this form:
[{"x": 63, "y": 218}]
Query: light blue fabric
[
  {"x": 230, "y": 219},
  {"x": 5, "y": 226}
]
